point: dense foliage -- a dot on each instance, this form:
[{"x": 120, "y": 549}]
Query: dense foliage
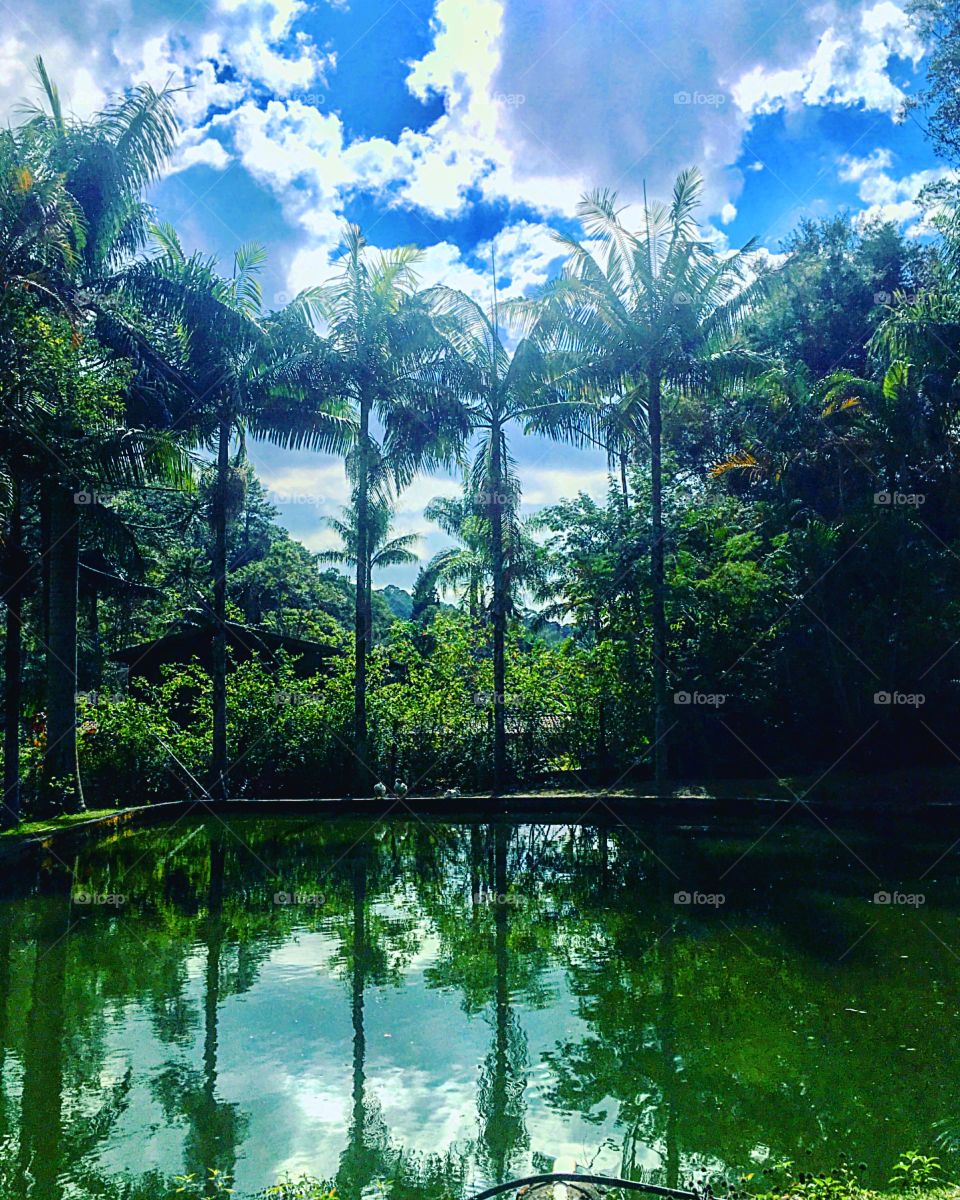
[{"x": 769, "y": 585}]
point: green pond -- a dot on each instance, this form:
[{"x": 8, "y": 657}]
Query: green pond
[{"x": 452, "y": 1004}]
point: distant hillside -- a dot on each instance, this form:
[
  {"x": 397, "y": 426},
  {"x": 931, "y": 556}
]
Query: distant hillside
[
  {"x": 398, "y": 601},
  {"x": 400, "y": 604}
]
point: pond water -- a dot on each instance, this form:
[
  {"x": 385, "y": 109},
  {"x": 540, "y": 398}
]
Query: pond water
[{"x": 451, "y": 1004}]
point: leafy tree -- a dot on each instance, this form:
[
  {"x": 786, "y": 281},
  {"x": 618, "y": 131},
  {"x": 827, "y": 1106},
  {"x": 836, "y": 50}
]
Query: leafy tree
[
  {"x": 646, "y": 310},
  {"x": 69, "y": 240},
  {"x": 494, "y": 389},
  {"x": 241, "y": 370},
  {"x": 384, "y": 342},
  {"x": 383, "y": 550}
]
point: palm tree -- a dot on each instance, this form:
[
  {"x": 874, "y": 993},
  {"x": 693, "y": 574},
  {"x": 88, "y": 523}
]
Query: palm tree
[
  {"x": 39, "y": 228},
  {"x": 494, "y": 389},
  {"x": 386, "y": 347},
  {"x": 384, "y": 551},
  {"x": 470, "y": 564},
  {"x": 240, "y": 370},
  {"x": 467, "y": 564},
  {"x": 78, "y": 218},
  {"x": 646, "y": 311}
]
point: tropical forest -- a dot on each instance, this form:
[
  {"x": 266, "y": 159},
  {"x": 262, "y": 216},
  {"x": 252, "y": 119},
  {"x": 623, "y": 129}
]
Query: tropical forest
[{"x": 480, "y": 563}]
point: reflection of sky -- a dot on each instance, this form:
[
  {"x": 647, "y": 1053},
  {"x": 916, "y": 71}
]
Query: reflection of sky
[{"x": 285, "y": 1059}]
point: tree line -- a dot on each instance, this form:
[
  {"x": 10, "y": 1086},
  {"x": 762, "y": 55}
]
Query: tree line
[{"x": 780, "y": 445}]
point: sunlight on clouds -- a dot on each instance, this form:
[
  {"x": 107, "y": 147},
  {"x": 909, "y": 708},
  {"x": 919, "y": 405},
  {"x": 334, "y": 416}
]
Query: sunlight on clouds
[
  {"x": 848, "y": 67},
  {"x": 853, "y": 169},
  {"x": 513, "y": 128},
  {"x": 525, "y": 254},
  {"x": 886, "y": 197},
  {"x": 209, "y": 153},
  {"x": 308, "y": 481},
  {"x": 81, "y": 89}
]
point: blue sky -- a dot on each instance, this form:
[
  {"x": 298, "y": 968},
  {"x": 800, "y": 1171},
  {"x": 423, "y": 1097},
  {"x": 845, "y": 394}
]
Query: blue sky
[{"x": 466, "y": 126}]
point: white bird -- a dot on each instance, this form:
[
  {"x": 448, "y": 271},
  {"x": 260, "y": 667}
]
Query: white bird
[
  {"x": 380, "y": 790},
  {"x": 400, "y": 787}
]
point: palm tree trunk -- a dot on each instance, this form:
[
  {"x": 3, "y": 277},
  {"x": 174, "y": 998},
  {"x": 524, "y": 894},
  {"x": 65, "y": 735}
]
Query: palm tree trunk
[
  {"x": 369, "y": 603},
  {"x": 657, "y": 585},
  {"x": 499, "y": 612},
  {"x": 361, "y": 770},
  {"x": 219, "y": 764},
  {"x": 13, "y": 668},
  {"x": 61, "y": 772}
]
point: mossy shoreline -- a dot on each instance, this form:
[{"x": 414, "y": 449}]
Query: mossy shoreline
[{"x": 890, "y": 793}]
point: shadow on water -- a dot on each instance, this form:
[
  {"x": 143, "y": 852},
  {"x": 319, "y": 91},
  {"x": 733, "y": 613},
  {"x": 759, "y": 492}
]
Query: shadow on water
[{"x": 450, "y": 1005}]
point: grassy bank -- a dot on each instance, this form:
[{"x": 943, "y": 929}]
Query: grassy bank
[{"x": 30, "y": 829}]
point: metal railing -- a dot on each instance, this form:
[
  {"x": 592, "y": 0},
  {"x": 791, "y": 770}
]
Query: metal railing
[{"x": 606, "y": 1181}]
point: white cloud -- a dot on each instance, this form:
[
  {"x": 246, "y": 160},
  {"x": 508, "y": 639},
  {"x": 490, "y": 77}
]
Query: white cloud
[
  {"x": 848, "y": 66},
  {"x": 728, "y": 213},
  {"x": 81, "y": 85},
  {"x": 208, "y": 153},
  {"x": 524, "y": 253},
  {"x": 885, "y": 196},
  {"x": 852, "y": 169}
]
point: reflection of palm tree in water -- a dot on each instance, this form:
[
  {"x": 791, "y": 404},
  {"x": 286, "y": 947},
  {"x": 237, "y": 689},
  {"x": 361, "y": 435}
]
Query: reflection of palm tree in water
[
  {"x": 213, "y": 1127},
  {"x": 42, "y": 1097},
  {"x": 51, "y": 1149},
  {"x": 365, "y": 1153},
  {"x": 502, "y": 1080}
]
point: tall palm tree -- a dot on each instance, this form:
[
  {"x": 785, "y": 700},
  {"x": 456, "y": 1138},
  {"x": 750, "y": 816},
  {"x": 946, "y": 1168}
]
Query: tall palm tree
[
  {"x": 40, "y": 229},
  {"x": 386, "y": 346},
  {"x": 495, "y": 389},
  {"x": 647, "y": 310},
  {"x": 384, "y": 550},
  {"x": 240, "y": 369},
  {"x": 79, "y": 216}
]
